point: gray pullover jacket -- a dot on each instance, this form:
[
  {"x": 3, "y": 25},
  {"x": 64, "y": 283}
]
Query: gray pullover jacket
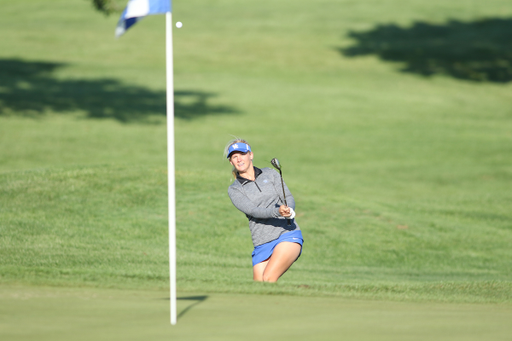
[{"x": 260, "y": 201}]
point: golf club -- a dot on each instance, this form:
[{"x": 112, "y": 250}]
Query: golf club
[{"x": 277, "y": 165}]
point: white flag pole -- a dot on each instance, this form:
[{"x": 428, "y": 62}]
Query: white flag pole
[{"x": 170, "y": 165}]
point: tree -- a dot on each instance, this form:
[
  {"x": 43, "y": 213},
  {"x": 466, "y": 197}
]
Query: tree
[{"x": 109, "y": 6}]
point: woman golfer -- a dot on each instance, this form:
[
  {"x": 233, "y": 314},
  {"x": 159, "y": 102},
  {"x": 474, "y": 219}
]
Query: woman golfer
[{"x": 275, "y": 234}]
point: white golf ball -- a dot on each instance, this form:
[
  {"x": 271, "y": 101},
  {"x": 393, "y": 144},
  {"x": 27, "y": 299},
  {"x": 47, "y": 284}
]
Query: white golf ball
[{"x": 179, "y": 24}]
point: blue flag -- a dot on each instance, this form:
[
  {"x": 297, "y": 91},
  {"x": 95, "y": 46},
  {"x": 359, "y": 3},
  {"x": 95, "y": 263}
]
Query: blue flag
[{"x": 137, "y": 9}]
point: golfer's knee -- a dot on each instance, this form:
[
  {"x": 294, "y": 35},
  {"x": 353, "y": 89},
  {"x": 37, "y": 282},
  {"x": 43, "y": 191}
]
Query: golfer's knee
[{"x": 270, "y": 278}]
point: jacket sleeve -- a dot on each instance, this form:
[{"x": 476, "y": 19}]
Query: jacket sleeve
[
  {"x": 244, "y": 204},
  {"x": 279, "y": 189}
]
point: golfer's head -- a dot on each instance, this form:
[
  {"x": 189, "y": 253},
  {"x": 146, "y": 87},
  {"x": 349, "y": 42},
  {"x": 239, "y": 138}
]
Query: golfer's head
[{"x": 239, "y": 155}]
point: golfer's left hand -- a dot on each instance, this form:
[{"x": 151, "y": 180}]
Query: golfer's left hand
[{"x": 284, "y": 211}]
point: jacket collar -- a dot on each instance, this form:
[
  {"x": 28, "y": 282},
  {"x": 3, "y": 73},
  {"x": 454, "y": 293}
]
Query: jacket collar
[{"x": 243, "y": 181}]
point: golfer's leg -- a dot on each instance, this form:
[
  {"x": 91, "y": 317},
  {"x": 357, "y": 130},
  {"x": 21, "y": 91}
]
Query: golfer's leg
[
  {"x": 258, "y": 270},
  {"x": 285, "y": 253}
]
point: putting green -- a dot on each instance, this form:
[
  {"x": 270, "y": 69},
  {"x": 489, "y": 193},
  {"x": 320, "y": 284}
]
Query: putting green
[{"x": 29, "y": 313}]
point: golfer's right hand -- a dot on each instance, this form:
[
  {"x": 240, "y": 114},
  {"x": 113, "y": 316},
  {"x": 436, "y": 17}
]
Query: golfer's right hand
[{"x": 284, "y": 211}]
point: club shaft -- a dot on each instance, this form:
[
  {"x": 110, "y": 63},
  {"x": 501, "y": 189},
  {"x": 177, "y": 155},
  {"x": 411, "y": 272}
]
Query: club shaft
[{"x": 284, "y": 194}]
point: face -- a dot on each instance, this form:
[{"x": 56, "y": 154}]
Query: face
[{"x": 241, "y": 161}]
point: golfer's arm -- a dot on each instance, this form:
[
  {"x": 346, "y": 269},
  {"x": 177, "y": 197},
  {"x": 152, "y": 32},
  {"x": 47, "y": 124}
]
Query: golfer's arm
[{"x": 244, "y": 204}]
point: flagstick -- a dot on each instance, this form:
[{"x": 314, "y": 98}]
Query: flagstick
[{"x": 170, "y": 165}]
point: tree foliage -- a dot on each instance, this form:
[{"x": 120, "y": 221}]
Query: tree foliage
[{"x": 109, "y": 6}]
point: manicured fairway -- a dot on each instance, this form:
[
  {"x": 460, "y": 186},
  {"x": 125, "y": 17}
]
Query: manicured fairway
[{"x": 60, "y": 314}]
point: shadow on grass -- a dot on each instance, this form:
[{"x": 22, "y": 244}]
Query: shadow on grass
[
  {"x": 197, "y": 299},
  {"x": 477, "y": 51},
  {"x": 30, "y": 89}
]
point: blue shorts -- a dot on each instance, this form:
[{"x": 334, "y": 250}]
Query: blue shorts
[{"x": 264, "y": 251}]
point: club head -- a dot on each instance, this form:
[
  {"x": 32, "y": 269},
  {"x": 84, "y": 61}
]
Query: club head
[{"x": 275, "y": 163}]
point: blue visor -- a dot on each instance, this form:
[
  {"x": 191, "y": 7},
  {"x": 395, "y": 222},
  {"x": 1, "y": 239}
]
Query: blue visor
[{"x": 239, "y": 147}]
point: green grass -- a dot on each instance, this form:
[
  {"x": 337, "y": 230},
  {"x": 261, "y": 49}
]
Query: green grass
[
  {"x": 57, "y": 314},
  {"x": 402, "y": 180}
]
